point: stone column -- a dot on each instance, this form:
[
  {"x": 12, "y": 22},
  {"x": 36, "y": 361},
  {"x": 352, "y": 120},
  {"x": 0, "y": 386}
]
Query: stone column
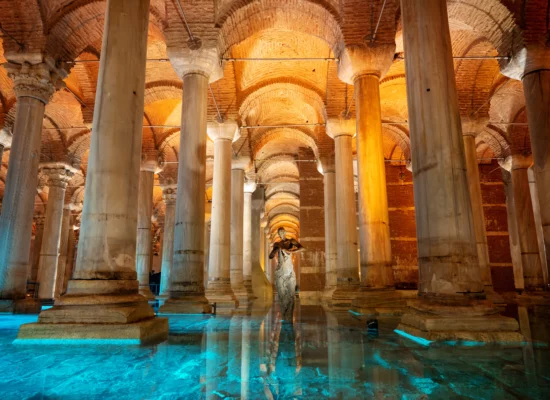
[
  {"x": 219, "y": 282},
  {"x": 451, "y": 292},
  {"x": 533, "y": 189},
  {"x": 35, "y": 260},
  {"x": 187, "y": 294},
  {"x": 144, "y": 235},
  {"x": 48, "y": 268},
  {"x": 237, "y": 224},
  {"x": 102, "y": 300},
  {"x": 474, "y": 186},
  {"x": 71, "y": 249},
  {"x": 513, "y": 235},
  {"x": 249, "y": 189},
  {"x": 63, "y": 247},
  {"x": 34, "y": 86},
  {"x": 517, "y": 166},
  {"x": 169, "y": 196},
  {"x": 347, "y": 281},
  {"x": 331, "y": 254}
]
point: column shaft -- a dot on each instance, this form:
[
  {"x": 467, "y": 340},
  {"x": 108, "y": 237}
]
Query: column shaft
[
  {"x": 330, "y": 229},
  {"x": 236, "y": 236},
  {"x": 472, "y": 170},
  {"x": 35, "y": 259},
  {"x": 447, "y": 254},
  {"x": 168, "y": 246},
  {"x": 187, "y": 284},
  {"x": 71, "y": 251},
  {"x": 374, "y": 225},
  {"x": 219, "y": 283},
  {"x": 144, "y": 235},
  {"x": 63, "y": 248},
  {"x": 49, "y": 250},
  {"x": 346, "y": 219},
  {"x": 247, "y": 242},
  {"x": 18, "y": 201},
  {"x": 536, "y": 86},
  {"x": 513, "y": 235},
  {"x": 527, "y": 234}
]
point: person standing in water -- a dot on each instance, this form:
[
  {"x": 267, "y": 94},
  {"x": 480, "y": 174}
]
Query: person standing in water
[{"x": 285, "y": 279}]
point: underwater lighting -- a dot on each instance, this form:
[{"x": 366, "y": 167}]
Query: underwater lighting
[{"x": 419, "y": 340}]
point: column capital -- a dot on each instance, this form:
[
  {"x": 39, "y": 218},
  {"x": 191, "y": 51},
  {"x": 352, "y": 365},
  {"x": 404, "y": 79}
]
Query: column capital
[
  {"x": 150, "y": 166},
  {"x": 341, "y": 127},
  {"x": 204, "y": 61},
  {"x": 5, "y": 138},
  {"x": 516, "y": 161},
  {"x": 367, "y": 59},
  {"x": 526, "y": 60},
  {"x": 34, "y": 76},
  {"x": 228, "y": 130},
  {"x": 58, "y": 174},
  {"x": 325, "y": 164},
  {"x": 169, "y": 194},
  {"x": 473, "y": 126},
  {"x": 250, "y": 187},
  {"x": 241, "y": 162}
]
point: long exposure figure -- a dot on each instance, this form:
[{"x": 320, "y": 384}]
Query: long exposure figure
[{"x": 285, "y": 279}]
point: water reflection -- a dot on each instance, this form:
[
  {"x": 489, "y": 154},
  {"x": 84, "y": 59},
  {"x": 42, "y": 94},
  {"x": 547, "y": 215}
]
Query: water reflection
[{"x": 257, "y": 356}]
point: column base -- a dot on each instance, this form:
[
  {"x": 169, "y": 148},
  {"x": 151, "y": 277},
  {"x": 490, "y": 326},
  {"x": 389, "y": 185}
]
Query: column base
[
  {"x": 248, "y": 286},
  {"x": 20, "y": 306},
  {"x": 153, "y": 330},
  {"x": 145, "y": 291},
  {"x": 242, "y": 296},
  {"x": 472, "y": 321},
  {"x": 382, "y": 301},
  {"x": 186, "y": 305},
  {"x": 343, "y": 297},
  {"x": 224, "y": 298}
]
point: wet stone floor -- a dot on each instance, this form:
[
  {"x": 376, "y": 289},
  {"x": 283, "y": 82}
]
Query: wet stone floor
[{"x": 321, "y": 355}]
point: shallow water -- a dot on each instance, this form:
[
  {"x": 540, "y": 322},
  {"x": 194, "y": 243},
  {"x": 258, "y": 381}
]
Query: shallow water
[{"x": 322, "y": 355}]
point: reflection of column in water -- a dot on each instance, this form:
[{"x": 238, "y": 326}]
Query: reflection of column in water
[
  {"x": 245, "y": 357},
  {"x": 216, "y": 357},
  {"x": 345, "y": 357},
  {"x": 528, "y": 352},
  {"x": 234, "y": 356}
]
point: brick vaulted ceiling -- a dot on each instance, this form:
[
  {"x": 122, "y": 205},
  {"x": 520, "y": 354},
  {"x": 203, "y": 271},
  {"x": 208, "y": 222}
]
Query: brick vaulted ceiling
[{"x": 260, "y": 93}]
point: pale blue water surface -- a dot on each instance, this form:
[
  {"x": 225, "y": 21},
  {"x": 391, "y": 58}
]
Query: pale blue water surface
[{"x": 321, "y": 355}]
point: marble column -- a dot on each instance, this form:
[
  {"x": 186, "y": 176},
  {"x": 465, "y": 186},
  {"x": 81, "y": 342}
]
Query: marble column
[
  {"x": 533, "y": 189},
  {"x": 451, "y": 294},
  {"x": 219, "y": 282},
  {"x": 144, "y": 234},
  {"x": 48, "y": 268},
  {"x": 169, "y": 196},
  {"x": 249, "y": 189},
  {"x": 34, "y": 85},
  {"x": 35, "y": 260},
  {"x": 474, "y": 186},
  {"x": 187, "y": 294},
  {"x": 513, "y": 235},
  {"x": 237, "y": 224},
  {"x": 331, "y": 254},
  {"x": 71, "y": 250},
  {"x": 347, "y": 273},
  {"x": 102, "y": 299},
  {"x": 517, "y": 166},
  {"x": 63, "y": 250}
]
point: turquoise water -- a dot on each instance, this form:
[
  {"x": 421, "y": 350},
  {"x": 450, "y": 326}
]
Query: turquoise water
[{"x": 323, "y": 355}]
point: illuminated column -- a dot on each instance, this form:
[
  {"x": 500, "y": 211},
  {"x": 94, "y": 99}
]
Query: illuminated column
[
  {"x": 187, "y": 294},
  {"x": 144, "y": 235},
  {"x": 63, "y": 247},
  {"x": 531, "y": 65},
  {"x": 58, "y": 178},
  {"x": 35, "y": 260},
  {"x": 169, "y": 196},
  {"x": 472, "y": 170},
  {"x": 102, "y": 300},
  {"x": 513, "y": 235},
  {"x": 451, "y": 294},
  {"x": 249, "y": 188},
  {"x": 347, "y": 281},
  {"x": 33, "y": 86},
  {"x": 237, "y": 224},
  {"x": 71, "y": 251},
  {"x": 219, "y": 282},
  {"x": 538, "y": 223},
  {"x": 331, "y": 254},
  {"x": 517, "y": 166}
]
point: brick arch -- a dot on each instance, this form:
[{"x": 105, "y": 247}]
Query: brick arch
[
  {"x": 162, "y": 90},
  {"x": 285, "y": 208},
  {"x": 495, "y": 140},
  {"x": 399, "y": 136},
  {"x": 71, "y": 31},
  {"x": 291, "y": 188},
  {"x": 490, "y": 19},
  {"x": 291, "y": 134},
  {"x": 303, "y": 16}
]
